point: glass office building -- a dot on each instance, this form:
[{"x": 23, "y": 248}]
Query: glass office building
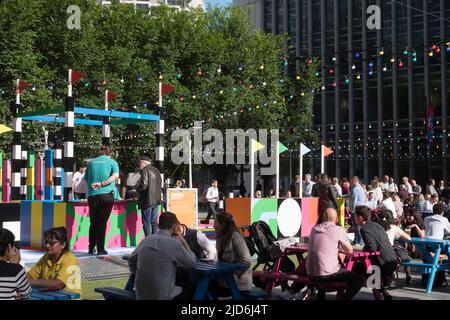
[{"x": 380, "y": 86}]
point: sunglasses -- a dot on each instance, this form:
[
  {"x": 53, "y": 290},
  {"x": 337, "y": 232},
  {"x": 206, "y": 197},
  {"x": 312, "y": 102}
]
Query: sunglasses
[{"x": 51, "y": 243}]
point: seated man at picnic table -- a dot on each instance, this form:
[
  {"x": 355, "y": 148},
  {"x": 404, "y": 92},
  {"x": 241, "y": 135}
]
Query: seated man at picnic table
[
  {"x": 155, "y": 262},
  {"x": 322, "y": 264},
  {"x": 436, "y": 225},
  {"x": 376, "y": 239},
  {"x": 58, "y": 269}
]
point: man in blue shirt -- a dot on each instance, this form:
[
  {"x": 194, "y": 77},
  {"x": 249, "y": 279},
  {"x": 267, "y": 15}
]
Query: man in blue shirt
[
  {"x": 101, "y": 175},
  {"x": 358, "y": 198}
]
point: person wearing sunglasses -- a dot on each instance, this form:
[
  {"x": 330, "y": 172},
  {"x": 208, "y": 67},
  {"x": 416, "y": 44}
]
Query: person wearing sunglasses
[{"x": 58, "y": 269}]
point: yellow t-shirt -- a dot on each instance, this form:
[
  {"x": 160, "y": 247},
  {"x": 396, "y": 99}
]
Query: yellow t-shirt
[{"x": 66, "y": 269}]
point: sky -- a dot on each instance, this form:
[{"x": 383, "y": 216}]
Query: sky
[{"x": 218, "y": 2}]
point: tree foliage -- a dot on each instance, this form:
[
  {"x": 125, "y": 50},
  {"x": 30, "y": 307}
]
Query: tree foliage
[{"x": 224, "y": 72}]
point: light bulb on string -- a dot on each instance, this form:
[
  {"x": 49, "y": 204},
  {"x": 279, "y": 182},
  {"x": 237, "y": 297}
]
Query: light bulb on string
[
  {"x": 122, "y": 80},
  {"x": 353, "y": 66},
  {"x": 381, "y": 52},
  {"x": 298, "y": 77},
  {"x": 333, "y": 59},
  {"x": 219, "y": 70},
  {"x": 438, "y": 49},
  {"x": 261, "y": 67},
  {"x": 357, "y": 55},
  {"x": 392, "y": 60},
  {"x": 371, "y": 64},
  {"x": 347, "y": 80},
  {"x": 160, "y": 76},
  {"x": 431, "y": 53},
  {"x": 358, "y": 76},
  {"x": 400, "y": 64},
  {"x": 385, "y": 68},
  {"x": 370, "y": 72},
  {"x": 310, "y": 60}
]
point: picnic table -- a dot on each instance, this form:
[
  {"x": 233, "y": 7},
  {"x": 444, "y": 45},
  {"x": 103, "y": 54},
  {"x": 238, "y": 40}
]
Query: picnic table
[
  {"x": 207, "y": 271},
  {"x": 274, "y": 275},
  {"x": 203, "y": 272},
  {"x": 37, "y": 293},
  {"x": 431, "y": 250}
]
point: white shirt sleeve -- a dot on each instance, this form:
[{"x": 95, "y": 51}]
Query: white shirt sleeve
[{"x": 207, "y": 246}]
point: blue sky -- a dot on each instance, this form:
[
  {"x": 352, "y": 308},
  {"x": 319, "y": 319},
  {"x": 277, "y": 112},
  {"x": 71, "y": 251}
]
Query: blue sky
[{"x": 218, "y": 2}]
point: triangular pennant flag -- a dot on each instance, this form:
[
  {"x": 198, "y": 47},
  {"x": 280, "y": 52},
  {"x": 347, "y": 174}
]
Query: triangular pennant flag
[
  {"x": 166, "y": 88},
  {"x": 281, "y": 148},
  {"x": 22, "y": 85},
  {"x": 256, "y": 146},
  {"x": 4, "y": 129},
  {"x": 76, "y": 75},
  {"x": 304, "y": 149},
  {"x": 111, "y": 95},
  {"x": 327, "y": 151}
]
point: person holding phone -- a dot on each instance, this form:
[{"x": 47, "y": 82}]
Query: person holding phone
[
  {"x": 101, "y": 176},
  {"x": 13, "y": 279}
]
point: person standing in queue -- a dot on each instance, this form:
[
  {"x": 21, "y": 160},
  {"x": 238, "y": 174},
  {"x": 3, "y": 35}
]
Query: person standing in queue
[
  {"x": 101, "y": 175},
  {"x": 149, "y": 190}
]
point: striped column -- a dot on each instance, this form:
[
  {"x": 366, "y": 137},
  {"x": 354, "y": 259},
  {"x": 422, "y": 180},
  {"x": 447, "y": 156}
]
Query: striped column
[
  {"x": 57, "y": 163},
  {"x": 30, "y": 176},
  {"x": 16, "y": 151},
  {"x": 39, "y": 181},
  {"x": 48, "y": 192},
  {"x": 159, "y": 150},
  {"x": 6, "y": 181},
  {"x": 68, "y": 146},
  {"x": 23, "y": 175},
  {"x": 106, "y": 131}
]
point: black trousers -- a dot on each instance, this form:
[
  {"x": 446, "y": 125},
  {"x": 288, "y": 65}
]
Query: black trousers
[
  {"x": 354, "y": 280},
  {"x": 212, "y": 210},
  {"x": 100, "y": 207}
]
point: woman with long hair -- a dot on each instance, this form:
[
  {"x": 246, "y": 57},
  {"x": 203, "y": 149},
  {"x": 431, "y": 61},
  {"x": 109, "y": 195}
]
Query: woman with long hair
[{"x": 231, "y": 247}]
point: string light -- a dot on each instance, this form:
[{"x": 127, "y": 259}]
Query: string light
[
  {"x": 392, "y": 60},
  {"x": 384, "y": 68},
  {"x": 122, "y": 80},
  {"x": 381, "y": 52},
  {"x": 353, "y": 66}
]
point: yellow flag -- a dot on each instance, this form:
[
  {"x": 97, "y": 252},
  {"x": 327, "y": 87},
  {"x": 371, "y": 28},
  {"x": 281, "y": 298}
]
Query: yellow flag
[
  {"x": 4, "y": 129},
  {"x": 256, "y": 146}
]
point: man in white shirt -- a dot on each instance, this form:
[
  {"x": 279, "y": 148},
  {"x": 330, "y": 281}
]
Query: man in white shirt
[
  {"x": 388, "y": 204},
  {"x": 307, "y": 186},
  {"x": 338, "y": 188},
  {"x": 436, "y": 226},
  {"x": 198, "y": 243},
  {"x": 212, "y": 197},
  {"x": 79, "y": 186},
  {"x": 405, "y": 181}
]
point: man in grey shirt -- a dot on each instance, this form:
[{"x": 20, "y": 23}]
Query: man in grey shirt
[{"x": 155, "y": 262}]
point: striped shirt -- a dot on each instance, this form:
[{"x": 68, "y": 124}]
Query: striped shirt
[{"x": 13, "y": 281}]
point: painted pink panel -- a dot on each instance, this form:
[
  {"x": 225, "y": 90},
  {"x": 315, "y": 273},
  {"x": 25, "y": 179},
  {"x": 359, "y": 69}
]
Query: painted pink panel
[
  {"x": 81, "y": 244},
  {"x": 132, "y": 223},
  {"x": 116, "y": 241},
  {"x": 310, "y": 214},
  {"x": 6, "y": 180},
  {"x": 81, "y": 209},
  {"x": 119, "y": 207}
]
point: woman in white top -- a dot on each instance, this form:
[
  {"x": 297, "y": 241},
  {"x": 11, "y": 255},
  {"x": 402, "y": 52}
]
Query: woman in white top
[{"x": 376, "y": 189}]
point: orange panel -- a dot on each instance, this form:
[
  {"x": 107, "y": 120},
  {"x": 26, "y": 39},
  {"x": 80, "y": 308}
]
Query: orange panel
[{"x": 240, "y": 208}]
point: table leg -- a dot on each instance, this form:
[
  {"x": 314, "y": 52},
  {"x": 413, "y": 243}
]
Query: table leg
[
  {"x": 276, "y": 268},
  {"x": 437, "y": 254},
  {"x": 202, "y": 288},
  {"x": 350, "y": 264},
  {"x": 235, "y": 293}
]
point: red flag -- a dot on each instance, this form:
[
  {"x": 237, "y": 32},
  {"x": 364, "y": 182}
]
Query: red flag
[
  {"x": 166, "y": 88},
  {"x": 76, "y": 75},
  {"x": 327, "y": 151},
  {"x": 111, "y": 95},
  {"x": 22, "y": 85}
]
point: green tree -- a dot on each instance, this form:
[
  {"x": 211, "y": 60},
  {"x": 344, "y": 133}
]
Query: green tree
[{"x": 224, "y": 72}]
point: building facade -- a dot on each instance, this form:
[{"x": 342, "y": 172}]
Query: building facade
[
  {"x": 383, "y": 103},
  {"x": 147, "y": 4}
]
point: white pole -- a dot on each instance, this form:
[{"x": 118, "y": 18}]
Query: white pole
[
  {"x": 322, "y": 160},
  {"x": 17, "y": 92},
  {"x": 69, "y": 87},
  {"x": 251, "y": 170},
  {"x": 277, "y": 174},
  {"x": 190, "y": 161},
  {"x": 300, "y": 172}
]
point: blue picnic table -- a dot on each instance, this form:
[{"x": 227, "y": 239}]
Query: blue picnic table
[
  {"x": 431, "y": 262},
  {"x": 203, "y": 272},
  {"x": 207, "y": 271},
  {"x": 38, "y": 294}
]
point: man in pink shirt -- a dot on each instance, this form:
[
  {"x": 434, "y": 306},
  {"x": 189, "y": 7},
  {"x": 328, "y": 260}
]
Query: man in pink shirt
[{"x": 322, "y": 265}]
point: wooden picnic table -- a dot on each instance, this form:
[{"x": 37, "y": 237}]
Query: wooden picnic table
[
  {"x": 299, "y": 250},
  {"x": 431, "y": 250},
  {"x": 37, "y": 293}
]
